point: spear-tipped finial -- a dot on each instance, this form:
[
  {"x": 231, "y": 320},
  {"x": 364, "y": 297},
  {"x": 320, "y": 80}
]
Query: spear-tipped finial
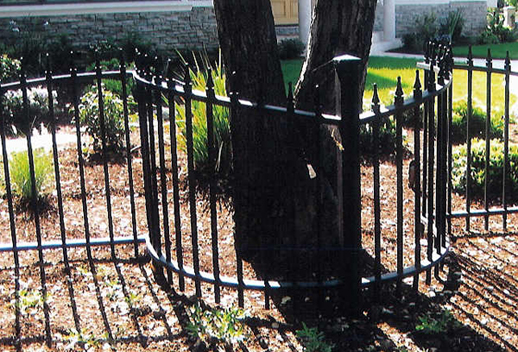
[
  {"x": 398, "y": 96},
  {"x": 210, "y": 80},
  {"x": 187, "y": 74}
]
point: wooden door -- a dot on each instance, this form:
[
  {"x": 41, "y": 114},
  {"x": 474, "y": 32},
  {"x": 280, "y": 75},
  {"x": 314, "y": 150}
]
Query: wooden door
[{"x": 285, "y": 11}]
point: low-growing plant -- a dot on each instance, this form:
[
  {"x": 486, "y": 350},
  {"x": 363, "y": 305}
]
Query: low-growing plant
[
  {"x": 221, "y": 122},
  {"x": 290, "y": 49},
  {"x": 37, "y": 105},
  {"x": 30, "y": 300},
  {"x": 21, "y": 178},
  {"x": 477, "y": 172},
  {"x": 477, "y": 124},
  {"x": 221, "y": 325},
  {"x": 438, "y": 324},
  {"x": 9, "y": 68},
  {"x": 82, "y": 338},
  {"x": 313, "y": 340},
  {"x": 113, "y": 118}
]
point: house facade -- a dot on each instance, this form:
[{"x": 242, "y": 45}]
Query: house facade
[{"x": 183, "y": 24}]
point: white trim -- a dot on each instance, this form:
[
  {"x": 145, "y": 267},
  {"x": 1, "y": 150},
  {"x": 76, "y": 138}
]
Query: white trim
[
  {"x": 100, "y": 8},
  {"x": 432, "y": 2}
]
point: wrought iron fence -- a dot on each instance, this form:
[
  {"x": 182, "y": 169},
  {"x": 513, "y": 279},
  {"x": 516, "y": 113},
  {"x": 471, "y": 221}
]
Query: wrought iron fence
[
  {"x": 431, "y": 115},
  {"x": 493, "y": 203},
  {"x": 188, "y": 232}
]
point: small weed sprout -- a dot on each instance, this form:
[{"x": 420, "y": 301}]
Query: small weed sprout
[
  {"x": 223, "y": 326},
  {"x": 81, "y": 338},
  {"x": 30, "y": 301},
  {"x": 313, "y": 340},
  {"x": 436, "y": 325}
]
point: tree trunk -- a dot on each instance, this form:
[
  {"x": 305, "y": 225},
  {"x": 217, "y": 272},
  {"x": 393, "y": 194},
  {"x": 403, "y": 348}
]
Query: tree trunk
[
  {"x": 338, "y": 27},
  {"x": 264, "y": 160},
  {"x": 275, "y": 198}
]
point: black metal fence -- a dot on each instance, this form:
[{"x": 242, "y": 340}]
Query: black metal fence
[
  {"x": 149, "y": 190},
  {"x": 490, "y": 201},
  {"x": 430, "y": 114}
]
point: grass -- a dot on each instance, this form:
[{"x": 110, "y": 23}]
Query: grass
[
  {"x": 291, "y": 71},
  {"x": 384, "y": 72},
  {"x": 498, "y": 51}
]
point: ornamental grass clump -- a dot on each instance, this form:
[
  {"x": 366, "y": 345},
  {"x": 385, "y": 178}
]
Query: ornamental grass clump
[
  {"x": 20, "y": 177},
  {"x": 477, "y": 170},
  {"x": 221, "y": 123}
]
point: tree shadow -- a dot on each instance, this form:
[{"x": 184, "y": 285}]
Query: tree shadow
[{"x": 424, "y": 319}]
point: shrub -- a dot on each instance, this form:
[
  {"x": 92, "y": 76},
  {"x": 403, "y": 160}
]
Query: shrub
[
  {"x": 477, "y": 172},
  {"x": 222, "y": 138},
  {"x": 387, "y": 136},
  {"x": 113, "y": 118},
  {"x": 453, "y": 25},
  {"x": 290, "y": 49},
  {"x": 426, "y": 28},
  {"x": 495, "y": 30},
  {"x": 21, "y": 178},
  {"x": 477, "y": 124},
  {"x": 8, "y": 68},
  {"x": 38, "y": 107}
]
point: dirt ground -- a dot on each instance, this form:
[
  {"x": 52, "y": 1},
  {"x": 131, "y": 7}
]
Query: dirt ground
[{"x": 112, "y": 302}]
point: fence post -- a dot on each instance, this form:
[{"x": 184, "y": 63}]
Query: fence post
[{"x": 348, "y": 70}]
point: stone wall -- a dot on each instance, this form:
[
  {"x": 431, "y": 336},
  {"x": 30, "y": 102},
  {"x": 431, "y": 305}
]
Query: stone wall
[
  {"x": 194, "y": 29},
  {"x": 474, "y": 13}
]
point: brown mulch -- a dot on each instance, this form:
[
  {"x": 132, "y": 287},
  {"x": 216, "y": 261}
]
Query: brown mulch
[{"x": 115, "y": 304}]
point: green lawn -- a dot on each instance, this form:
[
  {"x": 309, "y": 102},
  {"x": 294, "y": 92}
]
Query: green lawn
[
  {"x": 384, "y": 72},
  {"x": 498, "y": 51}
]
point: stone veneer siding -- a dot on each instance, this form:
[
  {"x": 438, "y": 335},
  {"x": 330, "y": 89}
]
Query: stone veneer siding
[
  {"x": 474, "y": 12},
  {"x": 194, "y": 29}
]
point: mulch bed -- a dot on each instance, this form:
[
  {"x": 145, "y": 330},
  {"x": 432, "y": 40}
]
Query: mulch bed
[{"x": 115, "y": 304}]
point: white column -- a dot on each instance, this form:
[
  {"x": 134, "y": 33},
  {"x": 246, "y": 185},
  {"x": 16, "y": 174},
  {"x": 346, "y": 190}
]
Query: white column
[
  {"x": 305, "y": 14},
  {"x": 389, "y": 20}
]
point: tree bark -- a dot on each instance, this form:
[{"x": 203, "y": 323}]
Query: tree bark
[
  {"x": 338, "y": 27},
  {"x": 264, "y": 162},
  {"x": 275, "y": 197}
]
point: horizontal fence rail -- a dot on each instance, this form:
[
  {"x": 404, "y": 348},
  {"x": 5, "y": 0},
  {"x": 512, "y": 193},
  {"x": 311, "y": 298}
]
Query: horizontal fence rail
[
  {"x": 150, "y": 190},
  {"x": 492, "y": 202},
  {"x": 427, "y": 106}
]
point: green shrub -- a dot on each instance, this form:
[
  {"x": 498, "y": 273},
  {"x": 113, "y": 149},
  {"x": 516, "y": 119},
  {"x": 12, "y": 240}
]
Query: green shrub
[
  {"x": 387, "y": 137},
  {"x": 477, "y": 124},
  {"x": 426, "y": 28},
  {"x": 9, "y": 68},
  {"x": 20, "y": 175},
  {"x": 113, "y": 118},
  {"x": 290, "y": 49},
  {"x": 222, "y": 138},
  {"x": 477, "y": 172},
  {"x": 495, "y": 30},
  {"x": 38, "y": 107},
  {"x": 453, "y": 25}
]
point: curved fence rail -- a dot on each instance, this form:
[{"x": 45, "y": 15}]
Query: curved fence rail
[
  {"x": 149, "y": 190},
  {"x": 428, "y": 114}
]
